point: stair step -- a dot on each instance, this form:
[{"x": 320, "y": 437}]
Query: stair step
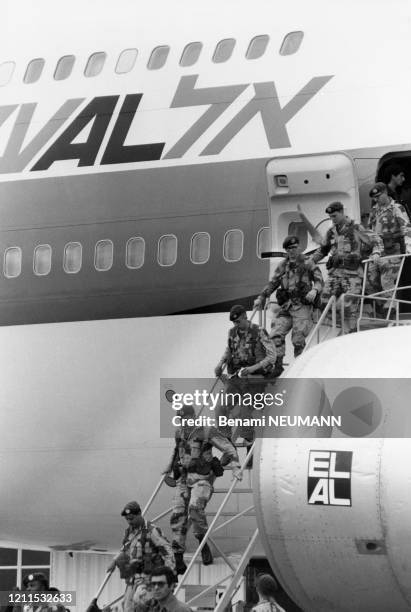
[{"x": 235, "y": 490}]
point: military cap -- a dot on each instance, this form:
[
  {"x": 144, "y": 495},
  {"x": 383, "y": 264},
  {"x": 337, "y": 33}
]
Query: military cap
[
  {"x": 378, "y": 189},
  {"x": 131, "y": 508},
  {"x": 290, "y": 241},
  {"x": 236, "y": 311},
  {"x": 334, "y": 207},
  {"x": 186, "y": 411},
  {"x": 170, "y": 395},
  {"x": 36, "y": 576}
]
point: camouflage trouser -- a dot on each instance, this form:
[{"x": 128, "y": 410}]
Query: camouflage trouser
[
  {"x": 344, "y": 281},
  {"x": 299, "y": 318},
  {"x": 235, "y": 389},
  {"x": 189, "y": 508},
  {"x": 132, "y": 584},
  {"x": 383, "y": 276}
]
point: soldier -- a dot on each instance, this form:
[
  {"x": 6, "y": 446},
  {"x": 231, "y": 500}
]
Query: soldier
[
  {"x": 195, "y": 471},
  {"x": 37, "y": 583},
  {"x": 144, "y": 548},
  {"x": 162, "y": 586},
  {"x": 389, "y": 221},
  {"x": 394, "y": 178},
  {"x": 299, "y": 283},
  {"x": 214, "y": 436},
  {"x": 345, "y": 242},
  {"x": 249, "y": 351}
]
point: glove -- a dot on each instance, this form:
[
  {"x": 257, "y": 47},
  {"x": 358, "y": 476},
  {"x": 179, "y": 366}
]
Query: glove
[
  {"x": 375, "y": 257},
  {"x": 237, "y": 473},
  {"x": 244, "y": 372},
  {"x": 311, "y": 295},
  {"x": 259, "y": 302},
  {"x": 218, "y": 370}
]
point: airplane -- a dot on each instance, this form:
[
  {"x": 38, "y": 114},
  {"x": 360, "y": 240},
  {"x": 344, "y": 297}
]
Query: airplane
[{"x": 143, "y": 172}]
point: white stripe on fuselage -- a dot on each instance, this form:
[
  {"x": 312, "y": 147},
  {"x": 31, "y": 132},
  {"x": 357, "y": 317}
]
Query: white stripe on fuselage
[{"x": 346, "y": 113}]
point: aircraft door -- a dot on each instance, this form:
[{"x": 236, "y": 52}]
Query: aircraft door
[{"x": 312, "y": 181}]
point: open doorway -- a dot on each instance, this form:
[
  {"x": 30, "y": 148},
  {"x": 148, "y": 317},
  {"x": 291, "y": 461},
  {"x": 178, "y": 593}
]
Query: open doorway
[
  {"x": 259, "y": 566},
  {"x": 400, "y": 160}
]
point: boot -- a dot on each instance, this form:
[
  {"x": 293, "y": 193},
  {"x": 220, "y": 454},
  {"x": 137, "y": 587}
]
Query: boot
[
  {"x": 181, "y": 567},
  {"x": 298, "y": 349},
  {"x": 278, "y": 366},
  {"x": 206, "y": 554}
]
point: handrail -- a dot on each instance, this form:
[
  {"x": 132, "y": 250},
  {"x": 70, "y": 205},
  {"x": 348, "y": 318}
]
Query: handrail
[
  {"x": 331, "y": 304},
  {"x": 213, "y": 522}
]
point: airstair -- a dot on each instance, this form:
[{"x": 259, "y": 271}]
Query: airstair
[
  {"x": 233, "y": 493},
  {"x": 330, "y": 324}
]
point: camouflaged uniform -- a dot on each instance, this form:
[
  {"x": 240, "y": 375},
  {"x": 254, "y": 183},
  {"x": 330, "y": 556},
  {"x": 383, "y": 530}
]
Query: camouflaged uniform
[
  {"x": 246, "y": 348},
  {"x": 194, "y": 489},
  {"x": 295, "y": 279},
  {"x": 345, "y": 244},
  {"x": 142, "y": 549},
  {"x": 391, "y": 223}
]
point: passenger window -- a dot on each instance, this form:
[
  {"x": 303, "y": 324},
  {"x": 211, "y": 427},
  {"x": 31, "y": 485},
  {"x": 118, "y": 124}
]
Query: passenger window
[
  {"x": 263, "y": 241},
  {"x": 34, "y": 70},
  {"x": 12, "y": 262},
  {"x": 72, "y": 259},
  {"x": 257, "y": 47},
  {"x": 95, "y": 64},
  {"x": 6, "y": 72},
  {"x": 167, "y": 250},
  {"x": 298, "y": 228},
  {"x": 126, "y": 61},
  {"x": 191, "y": 53},
  {"x": 200, "y": 248},
  {"x": 158, "y": 57},
  {"x": 64, "y": 67},
  {"x": 291, "y": 43},
  {"x": 103, "y": 255},
  {"x": 223, "y": 50},
  {"x": 135, "y": 252},
  {"x": 233, "y": 245},
  {"x": 42, "y": 259}
]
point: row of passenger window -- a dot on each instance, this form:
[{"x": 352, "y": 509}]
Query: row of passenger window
[
  {"x": 158, "y": 57},
  {"x": 167, "y": 248}
]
